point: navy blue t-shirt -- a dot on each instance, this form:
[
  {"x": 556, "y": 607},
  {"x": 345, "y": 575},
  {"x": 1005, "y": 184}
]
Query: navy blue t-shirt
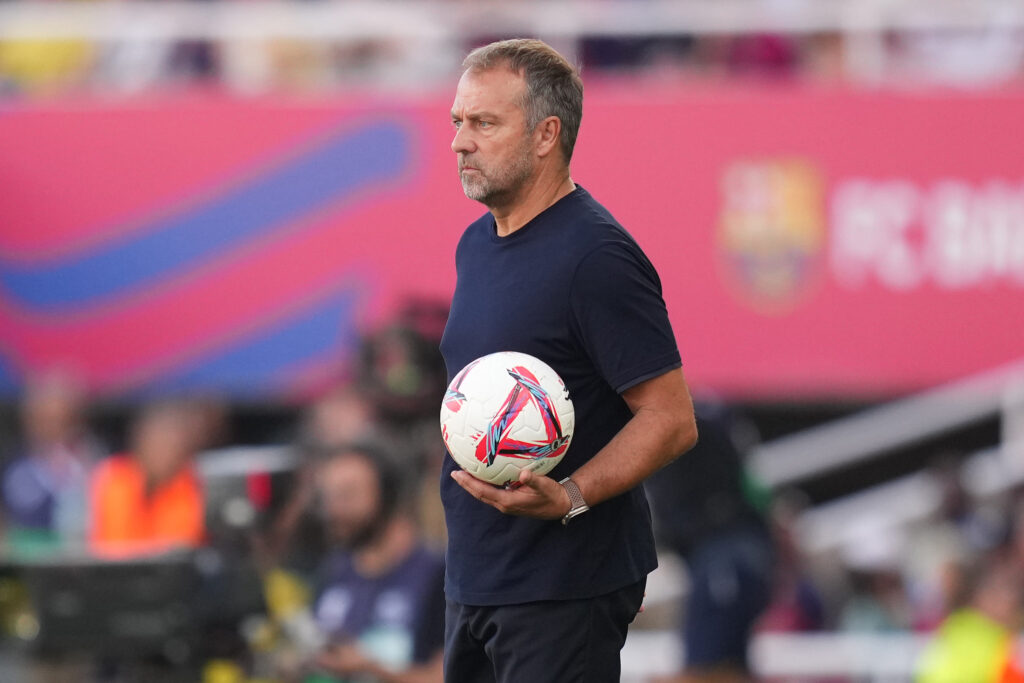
[
  {"x": 573, "y": 289},
  {"x": 396, "y": 618}
]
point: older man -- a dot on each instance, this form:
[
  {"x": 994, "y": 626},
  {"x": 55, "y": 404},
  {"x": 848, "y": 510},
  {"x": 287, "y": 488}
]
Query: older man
[{"x": 543, "y": 579}]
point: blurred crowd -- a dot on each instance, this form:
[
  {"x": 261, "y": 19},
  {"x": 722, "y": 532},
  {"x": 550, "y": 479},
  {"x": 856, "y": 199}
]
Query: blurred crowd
[
  {"x": 325, "y": 564},
  {"x": 320, "y": 563},
  {"x": 987, "y": 51},
  {"x": 955, "y": 578}
]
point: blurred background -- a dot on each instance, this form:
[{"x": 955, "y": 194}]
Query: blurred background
[{"x": 226, "y": 245}]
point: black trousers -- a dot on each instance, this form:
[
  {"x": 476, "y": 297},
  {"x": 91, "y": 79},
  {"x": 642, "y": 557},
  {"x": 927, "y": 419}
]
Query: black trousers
[{"x": 556, "y": 641}]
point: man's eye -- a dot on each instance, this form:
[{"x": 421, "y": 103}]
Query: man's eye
[
  {"x": 457, "y": 123},
  {"x": 485, "y": 124}
]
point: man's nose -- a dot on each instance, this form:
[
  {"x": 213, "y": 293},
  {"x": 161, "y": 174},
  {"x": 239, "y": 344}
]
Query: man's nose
[{"x": 462, "y": 142}]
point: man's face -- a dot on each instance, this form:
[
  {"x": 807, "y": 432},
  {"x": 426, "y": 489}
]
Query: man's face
[
  {"x": 350, "y": 496},
  {"x": 495, "y": 151},
  {"x": 164, "y": 443}
]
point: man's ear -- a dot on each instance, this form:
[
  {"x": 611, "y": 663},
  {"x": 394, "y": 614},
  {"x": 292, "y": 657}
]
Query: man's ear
[{"x": 549, "y": 133}]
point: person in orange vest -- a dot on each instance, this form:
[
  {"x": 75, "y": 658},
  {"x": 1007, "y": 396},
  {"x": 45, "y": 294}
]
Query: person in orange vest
[
  {"x": 1013, "y": 672},
  {"x": 150, "y": 499},
  {"x": 976, "y": 643}
]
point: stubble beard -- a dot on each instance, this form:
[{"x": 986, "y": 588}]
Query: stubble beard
[{"x": 501, "y": 186}]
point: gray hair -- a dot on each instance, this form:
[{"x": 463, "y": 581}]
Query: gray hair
[{"x": 553, "y": 85}]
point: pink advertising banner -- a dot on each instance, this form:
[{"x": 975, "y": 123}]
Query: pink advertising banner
[{"x": 812, "y": 244}]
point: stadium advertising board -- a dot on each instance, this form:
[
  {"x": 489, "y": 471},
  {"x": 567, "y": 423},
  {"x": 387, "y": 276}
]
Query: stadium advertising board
[{"x": 811, "y": 243}]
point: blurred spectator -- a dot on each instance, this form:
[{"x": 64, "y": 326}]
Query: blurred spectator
[
  {"x": 380, "y": 598},
  {"x": 400, "y": 366},
  {"x": 151, "y": 499},
  {"x": 939, "y": 550},
  {"x": 878, "y": 601},
  {"x": 768, "y": 55},
  {"x": 976, "y": 643},
  {"x": 340, "y": 416},
  {"x": 824, "y": 57},
  {"x": 704, "y": 515},
  {"x": 402, "y": 372},
  {"x": 635, "y": 52},
  {"x": 137, "y": 60},
  {"x": 393, "y": 400},
  {"x": 294, "y": 538},
  {"x": 981, "y": 48},
  {"x": 797, "y": 604},
  {"x": 195, "y": 60},
  {"x": 1016, "y": 535},
  {"x": 45, "y": 484},
  {"x": 44, "y": 65}
]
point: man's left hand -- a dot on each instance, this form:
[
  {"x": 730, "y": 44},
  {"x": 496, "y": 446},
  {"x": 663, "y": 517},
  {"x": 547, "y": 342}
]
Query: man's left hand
[{"x": 536, "y": 496}]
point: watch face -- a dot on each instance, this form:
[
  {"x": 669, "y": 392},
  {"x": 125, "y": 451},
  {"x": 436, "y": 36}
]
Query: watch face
[{"x": 575, "y": 512}]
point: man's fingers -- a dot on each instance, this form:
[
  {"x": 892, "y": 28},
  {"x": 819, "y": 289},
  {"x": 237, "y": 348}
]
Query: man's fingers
[
  {"x": 528, "y": 496},
  {"x": 527, "y": 477},
  {"x": 480, "y": 490},
  {"x": 469, "y": 482}
]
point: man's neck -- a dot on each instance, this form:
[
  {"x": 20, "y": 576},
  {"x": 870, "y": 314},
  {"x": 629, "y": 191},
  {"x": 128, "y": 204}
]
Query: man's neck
[
  {"x": 388, "y": 550},
  {"x": 535, "y": 198}
]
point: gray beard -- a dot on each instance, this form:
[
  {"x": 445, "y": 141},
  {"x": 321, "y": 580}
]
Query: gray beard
[{"x": 502, "y": 188}]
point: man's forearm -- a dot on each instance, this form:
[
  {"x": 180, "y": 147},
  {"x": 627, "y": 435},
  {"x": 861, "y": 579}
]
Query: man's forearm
[
  {"x": 649, "y": 441},
  {"x": 661, "y": 428}
]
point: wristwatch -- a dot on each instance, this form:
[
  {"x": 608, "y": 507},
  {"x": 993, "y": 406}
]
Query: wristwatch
[{"x": 577, "y": 506}]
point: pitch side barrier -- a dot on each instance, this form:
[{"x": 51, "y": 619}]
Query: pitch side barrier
[
  {"x": 849, "y": 440},
  {"x": 908, "y": 499},
  {"x": 864, "y": 658},
  {"x": 237, "y": 461}
]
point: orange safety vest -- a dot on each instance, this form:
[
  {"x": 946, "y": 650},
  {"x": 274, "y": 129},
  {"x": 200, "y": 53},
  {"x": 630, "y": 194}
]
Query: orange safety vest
[
  {"x": 126, "y": 519},
  {"x": 1013, "y": 672}
]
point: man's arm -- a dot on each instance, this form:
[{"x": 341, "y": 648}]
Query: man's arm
[{"x": 662, "y": 427}]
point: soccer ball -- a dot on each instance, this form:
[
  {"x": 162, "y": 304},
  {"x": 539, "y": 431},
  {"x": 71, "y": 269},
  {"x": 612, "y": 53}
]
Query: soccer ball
[{"x": 504, "y": 412}]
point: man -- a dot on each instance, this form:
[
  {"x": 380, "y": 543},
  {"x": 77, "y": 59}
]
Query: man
[
  {"x": 978, "y": 642},
  {"x": 705, "y": 515},
  {"x": 151, "y": 499},
  {"x": 44, "y": 488},
  {"x": 380, "y": 600},
  {"x": 543, "y": 579}
]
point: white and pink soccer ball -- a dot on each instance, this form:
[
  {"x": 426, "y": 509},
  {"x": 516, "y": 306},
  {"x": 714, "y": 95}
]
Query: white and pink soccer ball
[{"x": 504, "y": 412}]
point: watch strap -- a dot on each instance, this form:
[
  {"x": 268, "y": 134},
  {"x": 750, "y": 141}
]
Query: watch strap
[{"x": 577, "y": 505}]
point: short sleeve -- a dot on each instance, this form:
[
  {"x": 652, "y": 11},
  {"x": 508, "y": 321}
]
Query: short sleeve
[{"x": 620, "y": 315}]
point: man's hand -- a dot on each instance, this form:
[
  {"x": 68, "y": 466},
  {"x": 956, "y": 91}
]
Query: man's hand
[{"x": 536, "y": 496}]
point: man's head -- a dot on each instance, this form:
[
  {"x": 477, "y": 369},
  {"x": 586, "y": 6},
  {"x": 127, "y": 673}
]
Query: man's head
[
  {"x": 164, "y": 437},
  {"x": 518, "y": 102},
  {"x": 358, "y": 495},
  {"x": 52, "y": 409}
]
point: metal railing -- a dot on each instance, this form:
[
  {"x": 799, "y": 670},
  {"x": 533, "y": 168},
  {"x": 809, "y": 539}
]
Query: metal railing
[
  {"x": 864, "y": 435},
  {"x": 862, "y": 657}
]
